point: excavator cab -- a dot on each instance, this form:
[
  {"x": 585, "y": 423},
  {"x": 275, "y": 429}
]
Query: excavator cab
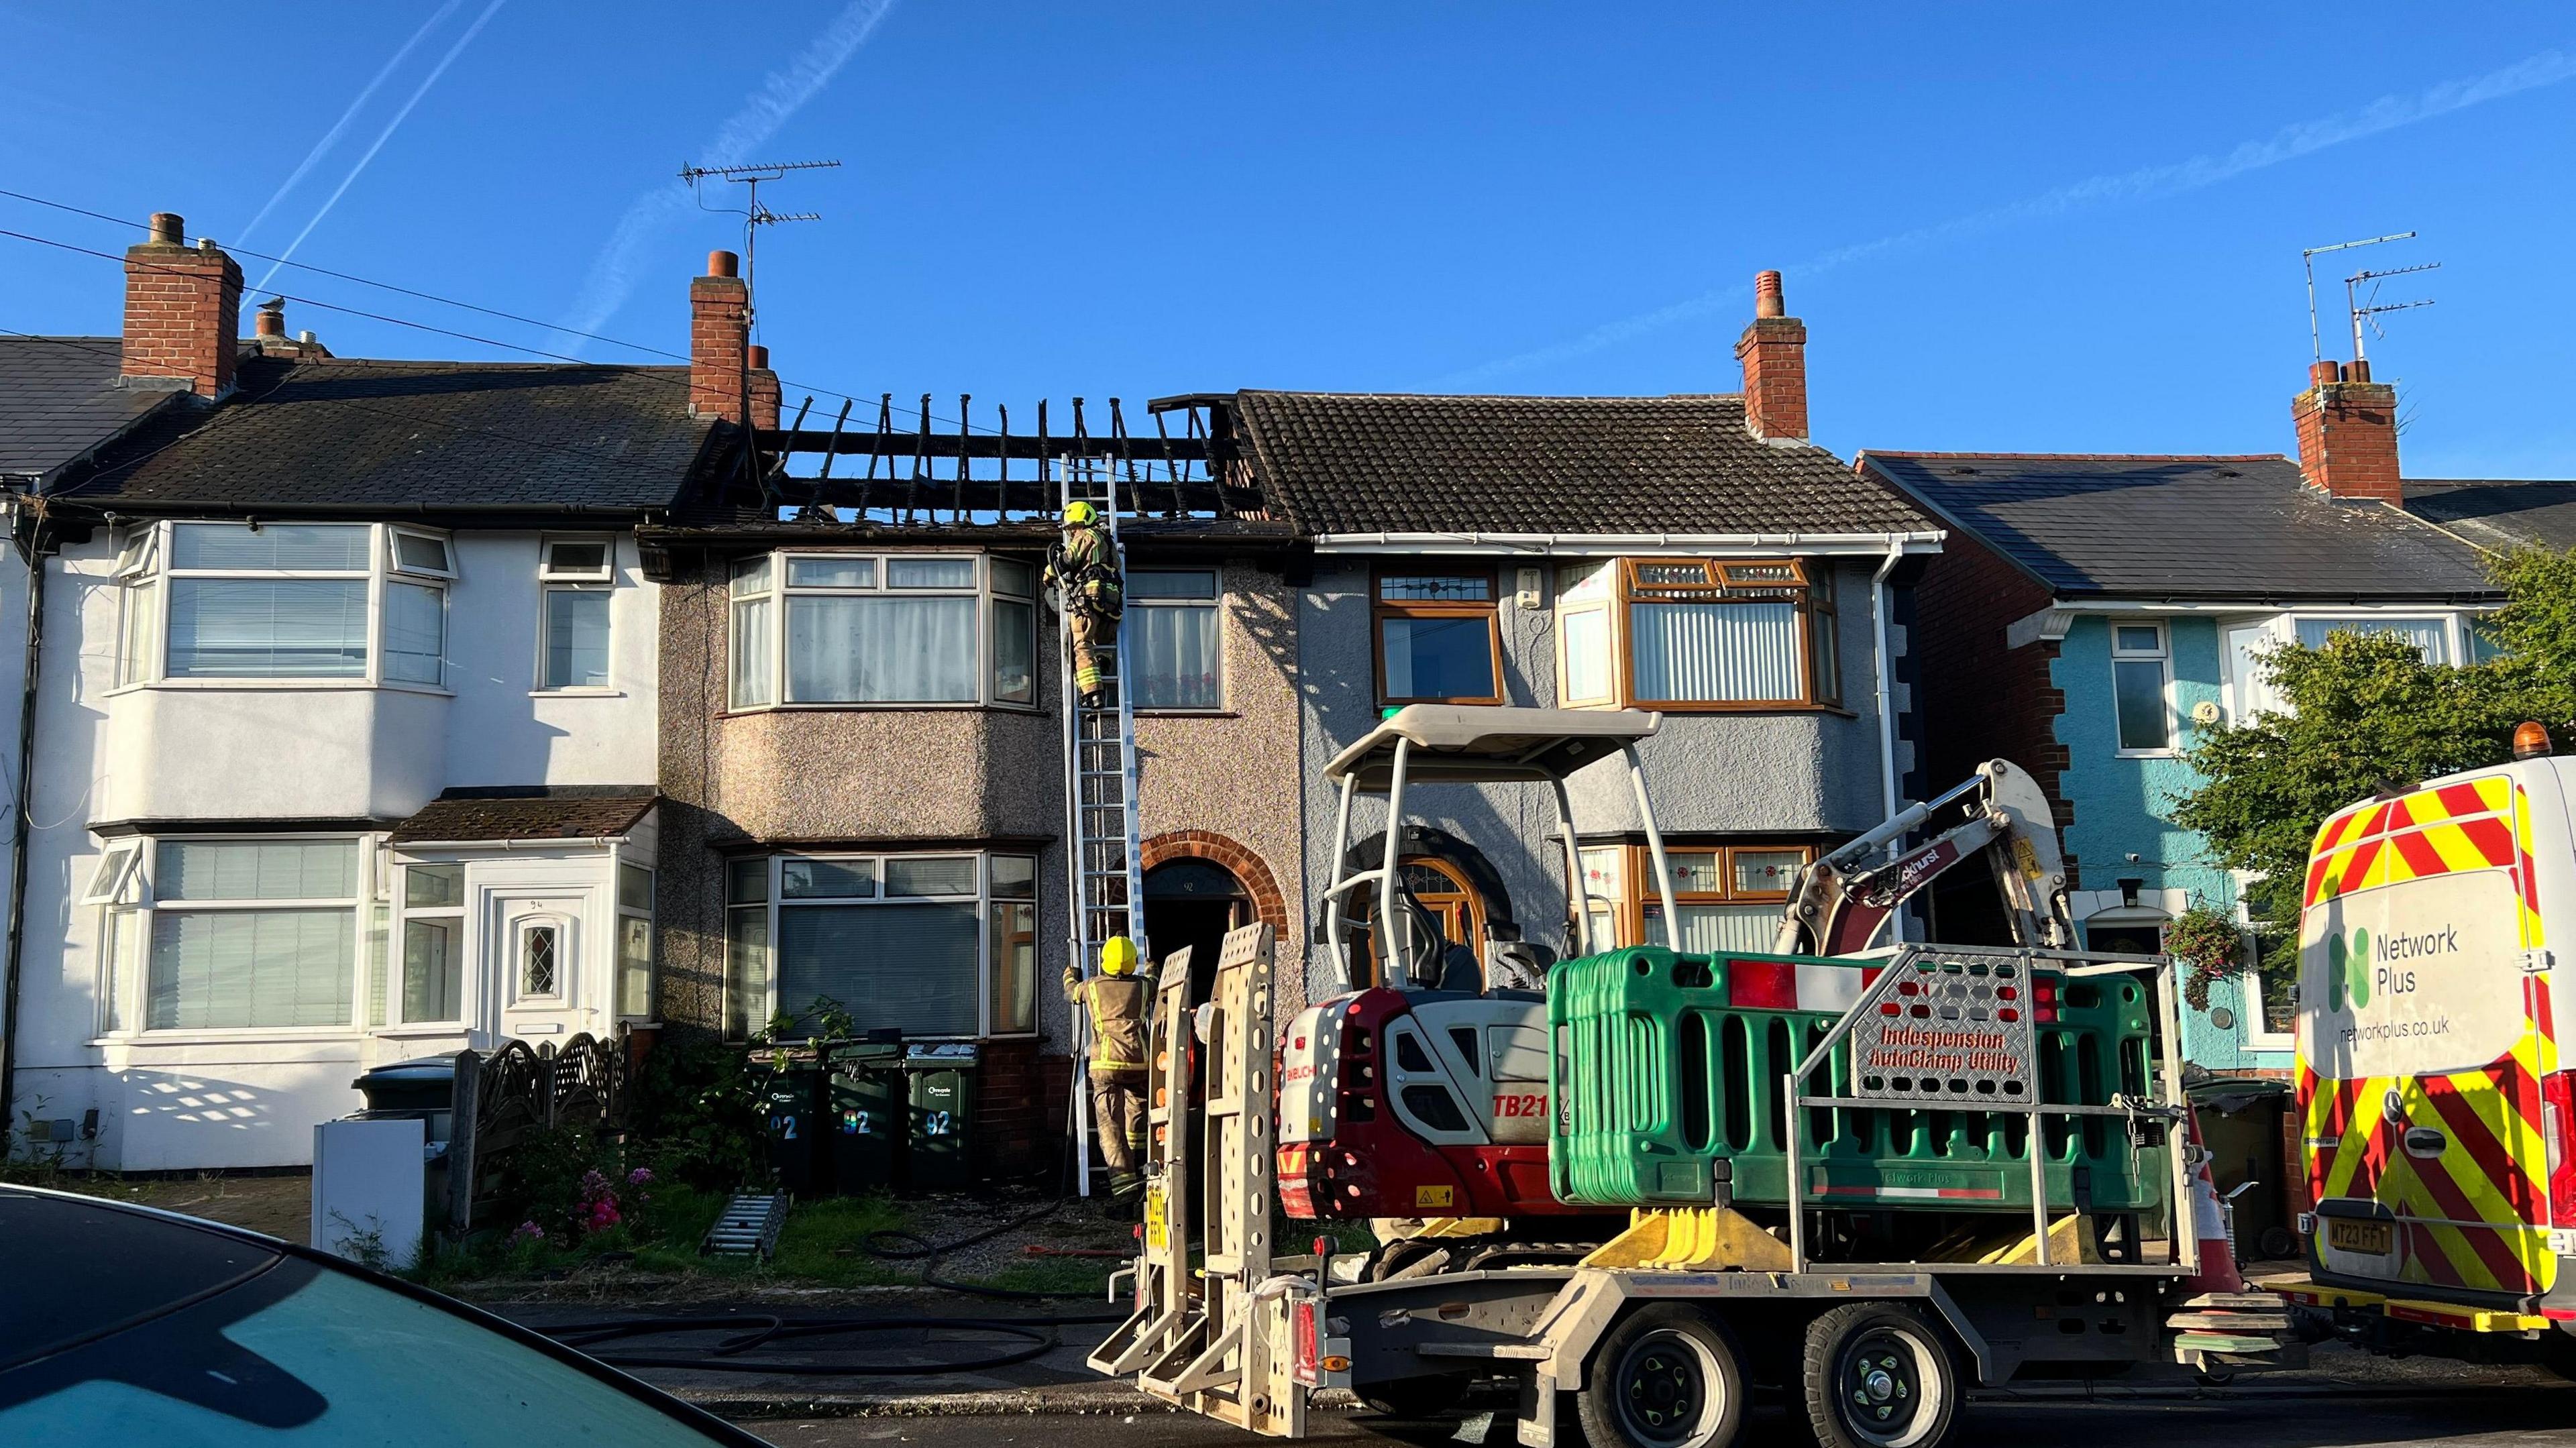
[{"x": 1465, "y": 744}]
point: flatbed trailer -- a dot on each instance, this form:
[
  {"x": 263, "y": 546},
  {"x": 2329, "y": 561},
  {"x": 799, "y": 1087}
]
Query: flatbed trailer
[{"x": 1656, "y": 1337}]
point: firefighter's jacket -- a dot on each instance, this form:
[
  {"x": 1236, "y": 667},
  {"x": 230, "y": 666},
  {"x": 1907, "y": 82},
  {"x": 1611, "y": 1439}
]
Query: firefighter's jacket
[
  {"x": 1118, "y": 1005},
  {"x": 1084, "y": 565}
]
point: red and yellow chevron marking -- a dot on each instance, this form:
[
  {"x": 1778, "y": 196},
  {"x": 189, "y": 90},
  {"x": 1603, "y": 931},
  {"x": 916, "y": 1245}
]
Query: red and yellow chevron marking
[{"x": 2474, "y": 1215}]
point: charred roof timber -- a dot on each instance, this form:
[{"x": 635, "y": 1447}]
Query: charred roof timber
[{"x": 957, "y": 471}]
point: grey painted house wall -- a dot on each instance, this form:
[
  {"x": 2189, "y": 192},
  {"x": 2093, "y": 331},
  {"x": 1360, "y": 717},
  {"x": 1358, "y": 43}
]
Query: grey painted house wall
[{"x": 1808, "y": 774}]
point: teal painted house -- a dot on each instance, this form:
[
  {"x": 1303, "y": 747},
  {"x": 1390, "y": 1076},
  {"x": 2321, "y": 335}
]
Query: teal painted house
[{"x": 2091, "y": 615}]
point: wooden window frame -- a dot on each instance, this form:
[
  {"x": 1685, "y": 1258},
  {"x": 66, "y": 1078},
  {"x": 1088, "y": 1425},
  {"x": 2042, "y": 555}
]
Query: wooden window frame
[
  {"x": 1382, "y": 608},
  {"x": 1637, "y": 883},
  {"x": 1807, "y": 585}
]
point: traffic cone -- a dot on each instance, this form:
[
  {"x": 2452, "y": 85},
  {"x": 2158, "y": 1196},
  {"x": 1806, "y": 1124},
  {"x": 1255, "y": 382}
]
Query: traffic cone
[{"x": 2217, "y": 1254}]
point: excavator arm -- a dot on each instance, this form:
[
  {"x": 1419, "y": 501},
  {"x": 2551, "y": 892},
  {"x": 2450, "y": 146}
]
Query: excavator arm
[{"x": 1841, "y": 901}]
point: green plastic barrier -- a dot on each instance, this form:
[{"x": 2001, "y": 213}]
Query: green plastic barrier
[{"x": 1660, "y": 1075}]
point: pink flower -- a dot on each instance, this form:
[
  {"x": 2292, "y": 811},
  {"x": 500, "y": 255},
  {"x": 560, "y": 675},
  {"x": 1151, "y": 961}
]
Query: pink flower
[{"x": 528, "y": 1232}]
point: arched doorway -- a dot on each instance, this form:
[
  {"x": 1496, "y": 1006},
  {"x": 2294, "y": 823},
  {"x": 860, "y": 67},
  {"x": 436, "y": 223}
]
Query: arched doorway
[
  {"x": 1192, "y": 902},
  {"x": 1457, "y": 906}
]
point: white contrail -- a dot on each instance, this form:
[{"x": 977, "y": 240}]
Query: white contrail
[
  {"x": 332, "y": 136},
  {"x": 2388, "y": 113},
  {"x": 620, "y": 264},
  {"x": 383, "y": 136}
]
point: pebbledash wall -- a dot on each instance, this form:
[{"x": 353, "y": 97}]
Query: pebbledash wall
[
  {"x": 275, "y": 760},
  {"x": 1805, "y": 776},
  {"x": 741, "y": 785}
]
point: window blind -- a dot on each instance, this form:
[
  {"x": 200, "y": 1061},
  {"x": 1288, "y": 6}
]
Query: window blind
[
  {"x": 1716, "y": 652},
  {"x": 236, "y": 968},
  {"x": 268, "y": 628},
  {"x": 909, "y": 966}
]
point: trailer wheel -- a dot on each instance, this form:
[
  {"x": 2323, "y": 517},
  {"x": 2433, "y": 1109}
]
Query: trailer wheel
[
  {"x": 1879, "y": 1376},
  {"x": 1667, "y": 1377}
]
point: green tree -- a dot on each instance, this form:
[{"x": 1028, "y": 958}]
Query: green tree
[{"x": 2366, "y": 714}]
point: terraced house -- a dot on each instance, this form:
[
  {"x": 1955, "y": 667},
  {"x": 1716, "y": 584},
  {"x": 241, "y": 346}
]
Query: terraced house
[{"x": 344, "y": 726}]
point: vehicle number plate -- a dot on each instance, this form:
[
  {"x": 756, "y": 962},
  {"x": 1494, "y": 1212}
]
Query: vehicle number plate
[
  {"x": 2349, "y": 1236},
  {"x": 1157, "y": 1228}
]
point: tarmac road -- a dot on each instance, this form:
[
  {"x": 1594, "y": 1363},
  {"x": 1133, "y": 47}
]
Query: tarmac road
[{"x": 2482, "y": 1418}]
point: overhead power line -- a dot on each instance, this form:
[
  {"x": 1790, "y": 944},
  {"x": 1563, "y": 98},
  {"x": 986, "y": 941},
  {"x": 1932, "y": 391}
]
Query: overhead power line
[{"x": 784, "y": 382}]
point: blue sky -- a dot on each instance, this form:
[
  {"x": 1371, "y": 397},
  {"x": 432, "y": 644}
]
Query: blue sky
[{"x": 2033, "y": 227}]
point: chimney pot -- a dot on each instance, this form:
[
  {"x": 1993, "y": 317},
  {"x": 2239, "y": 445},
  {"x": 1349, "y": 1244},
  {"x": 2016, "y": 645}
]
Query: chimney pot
[
  {"x": 307, "y": 337},
  {"x": 2359, "y": 371},
  {"x": 723, "y": 264},
  {"x": 168, "y": 228},
  {"x": 271, "y": 321},
  {"x": 1767, "y": 301},
  {"x": 2324, "y": 374},
  {"x": 759, "y": 356}
]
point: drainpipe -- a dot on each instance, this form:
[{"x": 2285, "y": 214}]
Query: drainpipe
[
  {"x": 30, "y": 552},
  {"x": 1886, "y": 699}
]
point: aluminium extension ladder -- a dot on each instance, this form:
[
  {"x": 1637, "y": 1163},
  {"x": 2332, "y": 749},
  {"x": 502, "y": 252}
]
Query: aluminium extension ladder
[{"x": 1105, "y": 876}]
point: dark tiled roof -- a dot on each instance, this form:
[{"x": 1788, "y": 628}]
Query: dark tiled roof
[
  {"x": 1362, "y": 463},
  {"x": 536, "y": 812},
  {"x": 457, "y": 436},
  {"x": 59, "y": 399},
  {"x": 2499, "y": 512},
  {"x": 2218, "y": 528}
]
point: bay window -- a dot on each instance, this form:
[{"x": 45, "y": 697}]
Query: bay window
[
  {"x": 1173, "y": 639},
  {"x": 281, "y": 602},
  {"x": 1683, "y": 634},
  {"x": 1728, "y": 898},
  {"x": 433, "y": 944},
  {"x": 882, "y": 629},
  {"x": 929, "y": 944},
  {"x": 251, "y": 933}
]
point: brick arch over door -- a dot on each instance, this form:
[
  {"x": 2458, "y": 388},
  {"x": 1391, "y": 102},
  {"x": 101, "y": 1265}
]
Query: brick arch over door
[{"x": 1268, "y": 905}]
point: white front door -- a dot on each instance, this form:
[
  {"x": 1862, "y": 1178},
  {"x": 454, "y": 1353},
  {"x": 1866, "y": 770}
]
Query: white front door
[{"x": 533, "y": 944}]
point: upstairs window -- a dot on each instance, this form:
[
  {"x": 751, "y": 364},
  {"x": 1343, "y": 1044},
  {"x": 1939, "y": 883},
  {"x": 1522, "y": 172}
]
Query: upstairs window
[
  {"x": 1730, "y": 898},
  {"x": 575, "y": 591},
  {"x": 2141, "y": 680},
  {"x": 283, "y": 602},
  {"x": 882, "y": 629},
  {"x": 1695, "y": 633},
  {"x": 1173, "y": 640},
  {"x": 1437, "y": 641}
]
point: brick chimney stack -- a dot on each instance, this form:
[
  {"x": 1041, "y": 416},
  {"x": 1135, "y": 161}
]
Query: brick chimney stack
[
  {"x": 764, "y": 390},
  {"x": 2348, "y": 433},
  {"x": 1773, "y": 352},
  {"x": 182, "y": 309},
  {"x": 719, "y": 334}
]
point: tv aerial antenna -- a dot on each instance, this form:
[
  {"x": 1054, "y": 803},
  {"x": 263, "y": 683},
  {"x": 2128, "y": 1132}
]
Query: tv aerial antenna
[
  {"x": 2308, "y": 262},
  {"x": 2366, "y": 310},
  {"x": 754, "y": 214}
]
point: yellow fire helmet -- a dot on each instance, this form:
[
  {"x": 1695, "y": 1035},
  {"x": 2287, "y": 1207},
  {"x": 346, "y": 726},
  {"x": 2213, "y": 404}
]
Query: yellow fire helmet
[
  {"x": 1079, "y": 514},
  {"x": 1117, "y": 953}
]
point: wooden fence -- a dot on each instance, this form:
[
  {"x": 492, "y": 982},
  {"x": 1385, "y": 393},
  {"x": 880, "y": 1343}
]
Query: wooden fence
[{"x": 503, "y": 1096}]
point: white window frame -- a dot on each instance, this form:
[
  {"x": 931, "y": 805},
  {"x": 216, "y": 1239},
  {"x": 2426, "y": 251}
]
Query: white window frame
[
  {"x": 551, "y": 581},
  {"x": 617, "y": 942},
  {"x": 2283, "y": 627},
  {"x": 140, "y": 907},
  {"x": 144, "y": 573},
  {"x": 393, "y": 553},
  {"x": 982, "y": 898},
  {"x": 1214, "y": 605},
  {"x": 2162, "y": 656},
  {"x": 398, "y": 962},
  {"x": 563, "y": 962},
  {"x": 984, "y": 588}
]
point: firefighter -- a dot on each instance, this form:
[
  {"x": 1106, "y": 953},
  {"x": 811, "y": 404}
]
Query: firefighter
[
  {"x": 1083, "y": 568},
  {"x": 1117, "y": 1000}
]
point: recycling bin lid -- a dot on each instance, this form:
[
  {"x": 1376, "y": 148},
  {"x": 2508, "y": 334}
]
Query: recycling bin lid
[
  {"x": 422, "y": 1071},
  {"x": 945, "y": 1053}
]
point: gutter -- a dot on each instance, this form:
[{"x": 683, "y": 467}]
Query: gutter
[
  {"x": 22, "y": 818},
  {"x": 1583, "y": 545},
  {"x": 1886, "y": 695}
]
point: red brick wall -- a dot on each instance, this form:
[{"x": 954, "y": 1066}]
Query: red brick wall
[
  {"x": 1268, "y": 904},
  {"x": 1010, "y": 1124},
  {"x": 1773, "y": 353},
  {"x": 1980, "y": 700},
  {"x": 182, "y": 315}
]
